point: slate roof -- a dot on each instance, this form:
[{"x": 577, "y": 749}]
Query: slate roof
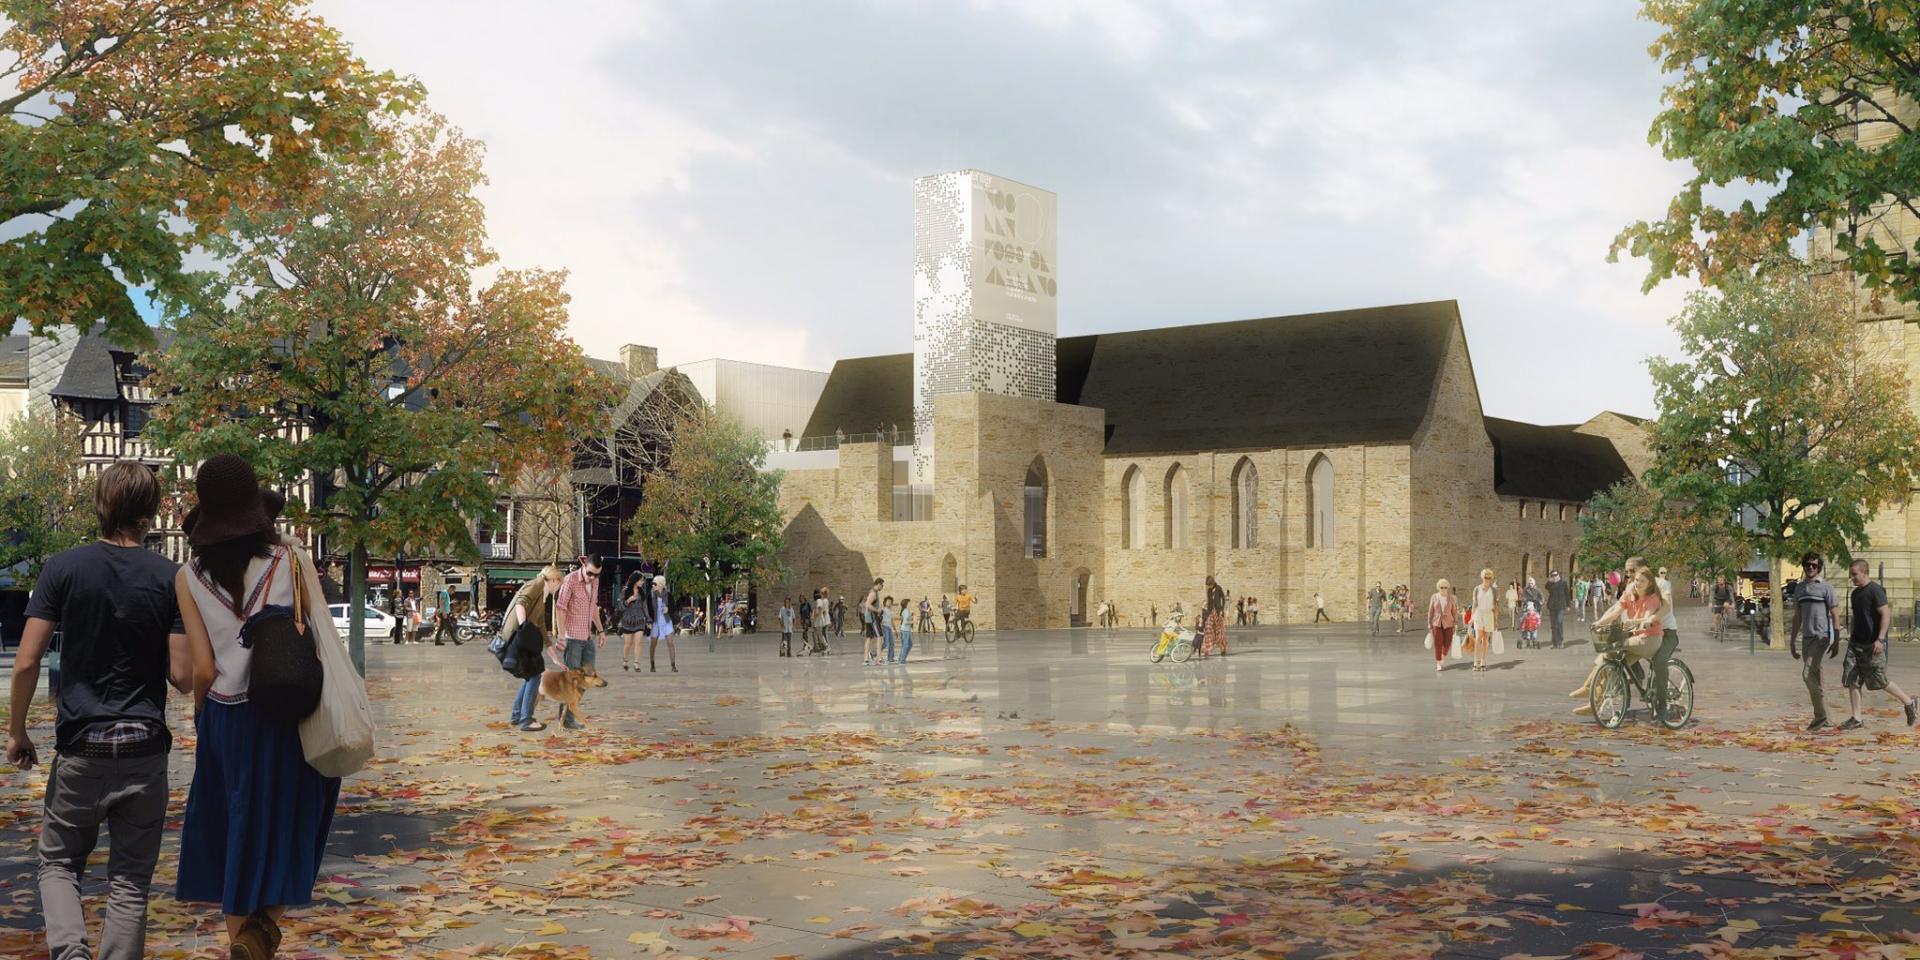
[
  {"x": 1349, "y": 376},
  {"x": 1551, "y": 463},
  {"x": 90, "y": 373}
]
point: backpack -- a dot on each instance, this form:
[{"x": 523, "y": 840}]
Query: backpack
[{"x": 284, "y": 675}]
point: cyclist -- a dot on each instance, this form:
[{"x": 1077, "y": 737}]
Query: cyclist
[
  {"x": 1639, "y": 610},
  {"x": 1722, "y": 600},
  {"x": 962, "y": 606}
]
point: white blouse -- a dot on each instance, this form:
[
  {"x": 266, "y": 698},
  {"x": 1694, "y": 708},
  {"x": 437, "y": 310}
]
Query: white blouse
[{"x": 269, "y": 580}]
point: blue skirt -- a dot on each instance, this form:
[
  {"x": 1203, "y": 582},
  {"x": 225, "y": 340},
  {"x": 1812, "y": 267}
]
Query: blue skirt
[
  {"x": 662, "y": 626},
  {"x": 257, "y": 816}
]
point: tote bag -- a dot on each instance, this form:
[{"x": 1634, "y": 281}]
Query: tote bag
[
  {"x": 337, "y": 737},
  {"x": 1499, "y": 644}
]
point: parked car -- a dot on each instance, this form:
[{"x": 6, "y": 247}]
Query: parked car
[{"x": 380, "y": 625}]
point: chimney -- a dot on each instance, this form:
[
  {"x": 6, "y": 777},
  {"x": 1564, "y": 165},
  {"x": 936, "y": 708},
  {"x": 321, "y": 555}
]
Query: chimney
[{"x": 639, "y": 360}]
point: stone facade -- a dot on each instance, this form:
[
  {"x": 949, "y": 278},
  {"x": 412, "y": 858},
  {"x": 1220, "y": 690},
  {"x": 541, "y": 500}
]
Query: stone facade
[
  {"x": 1405, "y": 513},
  {"x": 1632, "y": 436}
]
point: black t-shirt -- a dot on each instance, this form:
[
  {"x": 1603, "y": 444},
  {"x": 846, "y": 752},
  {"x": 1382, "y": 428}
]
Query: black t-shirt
[
  {"x": 114, "y": 607},
  {"x": 1867, "y": 602}
]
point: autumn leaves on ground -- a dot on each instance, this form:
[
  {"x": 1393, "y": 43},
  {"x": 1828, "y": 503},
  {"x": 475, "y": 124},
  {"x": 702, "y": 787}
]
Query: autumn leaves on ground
[{"x": 860, "y": 817}]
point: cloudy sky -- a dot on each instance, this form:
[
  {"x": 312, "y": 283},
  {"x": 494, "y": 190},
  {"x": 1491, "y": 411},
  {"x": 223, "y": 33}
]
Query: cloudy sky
[{"x": 734, "y": 178}]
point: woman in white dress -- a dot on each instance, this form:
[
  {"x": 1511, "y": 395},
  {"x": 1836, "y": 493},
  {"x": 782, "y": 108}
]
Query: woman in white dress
[{"x": 1486, "y": 617}]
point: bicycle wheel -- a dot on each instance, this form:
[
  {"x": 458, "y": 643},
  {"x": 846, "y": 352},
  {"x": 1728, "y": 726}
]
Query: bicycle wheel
[
  {"x": 1159, "y": 651},
  {"x": 1182, "y": 650},
  {"x": 1679, "y": 705},
  {"x": 1611, "y": 696},
  {"x": 966, "y": 631}
]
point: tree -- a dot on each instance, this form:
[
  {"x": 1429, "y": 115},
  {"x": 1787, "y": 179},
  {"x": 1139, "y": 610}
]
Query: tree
[
  {"x": 1622, "y": 521},
  {"x": 1782, "y": 414},
  {"x": 133, "y": 128},
  {"x": 45, "y": 504},
  {"x": 1814, "y": 100},
  {"x": 357, "y": 352},
  {"x": 711, "y": 512}
]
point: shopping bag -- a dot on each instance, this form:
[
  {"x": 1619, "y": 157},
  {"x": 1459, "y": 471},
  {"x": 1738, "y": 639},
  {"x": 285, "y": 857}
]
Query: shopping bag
[
  {"x": 1460, "y": 645},
  {"x": 1429, "y": 641},
  {"x": 337, "y": 737},
  {"x": 1499, "y": 645}
]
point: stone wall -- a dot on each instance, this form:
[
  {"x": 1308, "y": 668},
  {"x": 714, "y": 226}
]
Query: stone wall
[
  {"x": 1634, "y": 440},
  {"x": 840, "y": 534}
]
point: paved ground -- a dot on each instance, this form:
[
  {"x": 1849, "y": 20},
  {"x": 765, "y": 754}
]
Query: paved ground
[{"x": 1318, "y": 794}]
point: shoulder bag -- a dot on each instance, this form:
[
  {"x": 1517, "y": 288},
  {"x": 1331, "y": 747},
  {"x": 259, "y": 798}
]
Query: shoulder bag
[{"x": 337, "y": 737}]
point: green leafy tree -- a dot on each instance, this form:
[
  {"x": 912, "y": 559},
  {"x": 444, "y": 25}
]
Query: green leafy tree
[
  {"x": 1622, "y": 521},
  {"x": 357, "y": 351},
  {"x": 1781, "y": 413},
  {"x": 131, "y": 129},
  {"x": 1812, "y": 102},
  {"x": 711, "y": 513},
  {"x": 45, "y": 504}
]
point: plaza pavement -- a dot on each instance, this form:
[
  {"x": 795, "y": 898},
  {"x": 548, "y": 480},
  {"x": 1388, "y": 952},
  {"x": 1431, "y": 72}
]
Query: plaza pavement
[{"x": 1052, "y": 794}]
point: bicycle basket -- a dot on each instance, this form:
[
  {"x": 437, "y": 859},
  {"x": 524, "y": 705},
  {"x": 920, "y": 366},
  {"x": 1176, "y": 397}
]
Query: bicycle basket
[{"x": 1610, "y": 637}]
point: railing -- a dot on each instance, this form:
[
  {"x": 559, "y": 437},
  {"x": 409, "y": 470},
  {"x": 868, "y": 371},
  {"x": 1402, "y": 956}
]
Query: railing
[
  {"x": 902, "y": 437},
  {"x": 496, "y": 551}
]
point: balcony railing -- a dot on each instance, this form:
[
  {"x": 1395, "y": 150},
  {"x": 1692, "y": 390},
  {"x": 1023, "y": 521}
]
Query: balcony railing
[
  {"x": 898, "y": 438},
  {"x": 496, "y": 551}
]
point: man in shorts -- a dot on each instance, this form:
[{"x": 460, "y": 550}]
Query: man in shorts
[
  {"x": 1722, "y": 602},
  {"x": 962, "y": 606},
  {"x": 1813, "y": 604},
  {"x": 1865, "y": 667}
]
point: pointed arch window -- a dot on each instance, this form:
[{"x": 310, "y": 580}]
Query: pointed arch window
[
  {"x": 1176, "y": 525},
  {"x": 1133, "y": 510},
  {"x": 1036, "y": 497},
  {"x": 1246, "y": 505},
  {"x": 1320, "y": 503}
]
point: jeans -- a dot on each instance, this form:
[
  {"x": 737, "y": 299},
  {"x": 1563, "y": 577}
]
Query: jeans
[
  {"x": 1374, "y": 615},
  {"x": 130, "y": 796},
  {"x": 906, "y": 643},
  {"x": 523, "y": 701},
  {"x": 579, "y": 653},
  {"x": 1557, "y": 615},
  {"x": 1669, "y": 642},
  {"x": 1812, "y": 651},
  {"x": 886, "y": 642}
]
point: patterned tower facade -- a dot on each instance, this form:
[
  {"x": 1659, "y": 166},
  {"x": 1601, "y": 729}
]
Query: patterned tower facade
[{"x": 985, "y": 307}]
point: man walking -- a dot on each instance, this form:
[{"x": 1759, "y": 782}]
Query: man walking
[
  {"x": 786, "y": 627},
  {"x": 121, "y": 643},
  {"x": 1559, "y": 596},
  {"x": 1320, "y": 608},
  {"x": 1376, "y": 599},
  {"x": 578, "y": 607},
  {"x": 1866, "y": 663},
  {"x": 1813, "y": 605}
]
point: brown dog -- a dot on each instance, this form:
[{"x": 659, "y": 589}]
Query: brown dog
[{"x": 566, "y": 687}]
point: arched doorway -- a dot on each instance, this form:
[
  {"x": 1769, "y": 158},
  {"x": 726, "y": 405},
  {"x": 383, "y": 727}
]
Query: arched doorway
[{"x": 949, "y": 575}]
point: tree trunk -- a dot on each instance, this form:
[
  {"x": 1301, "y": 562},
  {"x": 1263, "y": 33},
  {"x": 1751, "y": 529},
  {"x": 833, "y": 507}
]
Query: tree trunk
[
  {"x": 357, "y": 607},
  {"x": 1777, "y": 605}
]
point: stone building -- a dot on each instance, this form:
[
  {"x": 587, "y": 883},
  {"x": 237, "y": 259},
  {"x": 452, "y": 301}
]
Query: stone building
[{"x": 1284, "y": 456}]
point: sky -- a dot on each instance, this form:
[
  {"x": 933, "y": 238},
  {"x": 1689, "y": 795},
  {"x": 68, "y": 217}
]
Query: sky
[{"x": 735, "y": 179}]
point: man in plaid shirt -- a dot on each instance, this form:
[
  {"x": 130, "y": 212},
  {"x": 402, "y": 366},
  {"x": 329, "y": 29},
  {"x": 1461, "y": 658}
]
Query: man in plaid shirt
[{"x": 578, "y": 609}]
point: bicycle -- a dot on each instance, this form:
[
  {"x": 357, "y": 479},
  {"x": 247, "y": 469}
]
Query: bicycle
[
  {"x": 1611, "y": 695},
  {"x": 1174, "y": 641},
  {"x": 960, "y": 630}
]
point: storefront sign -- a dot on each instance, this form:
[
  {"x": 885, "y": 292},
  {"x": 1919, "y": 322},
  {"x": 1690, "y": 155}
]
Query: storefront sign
[{"x": 385, "y": 575}]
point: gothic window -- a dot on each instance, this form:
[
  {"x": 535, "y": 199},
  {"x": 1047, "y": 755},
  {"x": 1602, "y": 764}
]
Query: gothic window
[
  {"x": 1176, "y": 532},
  {"x": 1320, "y": 502},
  {"x": 1036, "y": 497},
  {"x": 1246, "y": 504},
  {"x": 1133, "y": 510}
]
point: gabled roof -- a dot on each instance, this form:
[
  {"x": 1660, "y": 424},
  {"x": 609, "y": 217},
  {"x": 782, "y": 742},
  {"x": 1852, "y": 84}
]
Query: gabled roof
[
  {"x": 1551, "y": 463},
  {"x": 1349, "y": 376},
  {"x": 91, "y": 373}
]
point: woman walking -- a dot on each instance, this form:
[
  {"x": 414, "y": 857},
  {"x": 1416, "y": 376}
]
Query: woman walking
[
  {"x": 1486, "y": 618},
  {"x": 633, "y": 619},
  {"x": 1395, "y": 611},
  {"x": 1443, "y": 617},
  {"x": 1214, "y": 633},
  {"x": 660, "y": 612},
  {"x": 257, "y": 815}
]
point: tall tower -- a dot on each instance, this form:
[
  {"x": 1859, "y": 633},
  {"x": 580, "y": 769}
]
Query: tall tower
[{"x": 984, "y": 294}]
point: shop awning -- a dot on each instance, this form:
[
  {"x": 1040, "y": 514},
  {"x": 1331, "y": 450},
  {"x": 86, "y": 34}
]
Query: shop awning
[{"x": 509, "y": 575}]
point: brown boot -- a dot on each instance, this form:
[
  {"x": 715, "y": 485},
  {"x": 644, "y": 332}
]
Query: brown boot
[{"x": 258, "y": 939}]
